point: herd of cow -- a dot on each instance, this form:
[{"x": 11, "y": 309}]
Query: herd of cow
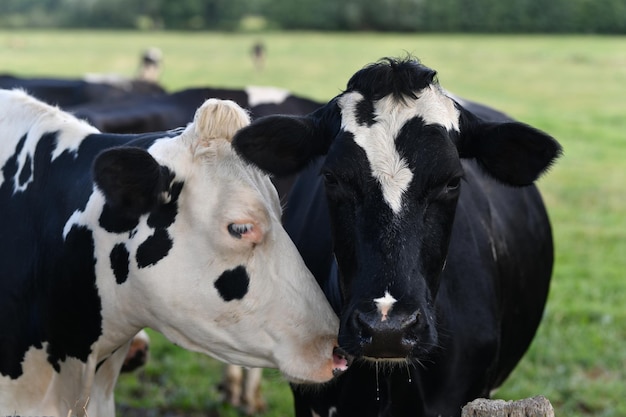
[{"x": 406, "y": 276}]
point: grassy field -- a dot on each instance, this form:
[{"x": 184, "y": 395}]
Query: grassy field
[{"x": 573, "y": 87}]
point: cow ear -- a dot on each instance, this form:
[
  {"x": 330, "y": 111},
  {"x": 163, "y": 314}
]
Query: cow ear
[
  {"x": 511, "y": 152},
  {"x": 281, "y": 145},
  {"x": 130, "y": 179}
]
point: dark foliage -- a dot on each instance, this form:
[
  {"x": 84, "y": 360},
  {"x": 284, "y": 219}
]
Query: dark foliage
[{"x": 515, "y": 16}]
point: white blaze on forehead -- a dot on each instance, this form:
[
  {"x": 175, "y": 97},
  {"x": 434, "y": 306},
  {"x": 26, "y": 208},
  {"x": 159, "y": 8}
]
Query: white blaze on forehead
[
  {"x": 384, "y": 304},
  {"x": 378, "y": 140},
  {"x": 435, "y": 108}
]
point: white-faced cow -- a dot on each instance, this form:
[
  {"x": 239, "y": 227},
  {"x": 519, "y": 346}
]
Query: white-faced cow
[
  {"x": 102, "y": 235},
  {"x": 421, "y": 223}
]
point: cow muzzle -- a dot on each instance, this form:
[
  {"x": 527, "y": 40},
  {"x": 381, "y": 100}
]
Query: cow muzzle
[{"x": 397, "y": 335}]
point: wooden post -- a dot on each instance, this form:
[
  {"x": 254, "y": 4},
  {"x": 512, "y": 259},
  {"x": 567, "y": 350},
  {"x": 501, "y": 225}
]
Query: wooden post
[{"x": 529, "y": 407}]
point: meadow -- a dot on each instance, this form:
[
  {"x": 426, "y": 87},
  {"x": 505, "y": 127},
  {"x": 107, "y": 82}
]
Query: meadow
[{"x": 573, "y": 87}]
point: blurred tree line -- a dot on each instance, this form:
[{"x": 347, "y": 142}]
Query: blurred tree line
[{"x": 504, "y": 16}]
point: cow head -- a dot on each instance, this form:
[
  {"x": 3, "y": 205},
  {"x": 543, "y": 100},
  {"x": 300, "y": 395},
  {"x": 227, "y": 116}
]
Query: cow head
[
  {"x": 189, "y": 241},
  {"x": 393, "y": 143}
]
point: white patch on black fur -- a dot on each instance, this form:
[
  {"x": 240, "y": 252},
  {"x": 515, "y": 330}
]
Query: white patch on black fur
[
  {"x": 378, "y": 139},
  {"x": 385, "y": 304},
  {"x": 265, "y": 95}
]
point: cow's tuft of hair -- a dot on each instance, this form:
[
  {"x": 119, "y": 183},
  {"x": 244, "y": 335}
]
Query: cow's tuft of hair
[{"x": 218, "y": 119}]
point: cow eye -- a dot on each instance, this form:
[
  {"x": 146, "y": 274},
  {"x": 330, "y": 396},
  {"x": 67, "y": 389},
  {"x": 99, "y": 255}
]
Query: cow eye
[
  {"x": 449, "y": 190},
  {"x": 239, "y": 229},
  {"x": 330, "y": 180},
  {"x": 453, "y": 184}
]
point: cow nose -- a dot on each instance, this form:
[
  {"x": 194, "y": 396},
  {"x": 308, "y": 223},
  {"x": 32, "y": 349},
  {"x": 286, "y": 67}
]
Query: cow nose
[{"x": 390, "y": 336}]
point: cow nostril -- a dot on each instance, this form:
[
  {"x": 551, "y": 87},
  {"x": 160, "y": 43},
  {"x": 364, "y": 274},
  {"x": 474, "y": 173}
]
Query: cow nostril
[
  {"x": 410, "y": 320},
  {"x": 368, "y": 323},
  {"x": 361, "y": 320},
  {"x": 363, "y": 327},
  {"x": 394, "y": 337}
]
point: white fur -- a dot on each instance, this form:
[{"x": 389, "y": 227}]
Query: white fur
[
  {"x": 22, "y": 115},
  {"x": 265, "y": 95},
  {"x": 378, "y": 140},
  {"x": 283, "y": 321},
  {"x": 384, "y": 305}
]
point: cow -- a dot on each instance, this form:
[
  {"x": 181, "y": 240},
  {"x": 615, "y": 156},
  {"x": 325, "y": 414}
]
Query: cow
[
  {"x": 423, "y": 226},
  {"x": 150, "y": 65},
  {"x": 139, "y": 114},
  {"x": 67, "y": 92},
  {"x": 102, "y": 235}
]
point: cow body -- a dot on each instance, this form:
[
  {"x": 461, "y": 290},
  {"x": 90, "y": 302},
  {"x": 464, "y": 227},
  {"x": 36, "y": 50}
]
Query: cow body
[
  {"x": 138, "y": 114},
  {"x": 102, "y": 235},
  {"x": 421, "y": 224},
  {"x": 73, "y": 92}
]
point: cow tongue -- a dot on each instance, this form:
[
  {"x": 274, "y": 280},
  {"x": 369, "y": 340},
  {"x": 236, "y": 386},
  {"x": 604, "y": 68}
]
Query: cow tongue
[{"x": 340, "y": 362}]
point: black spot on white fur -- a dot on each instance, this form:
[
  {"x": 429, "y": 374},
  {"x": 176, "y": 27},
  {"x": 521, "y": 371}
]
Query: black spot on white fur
[
  {"x": 119, "y": 262},
  {"x": 165, "y": 214},
  {"x": 114, "y": 222},
  {"x": 233, "y": 284},
  {"x": 154, "y": 248},
  {"x": 157, "y": 246},
  {"x": 75, "y": 320}
]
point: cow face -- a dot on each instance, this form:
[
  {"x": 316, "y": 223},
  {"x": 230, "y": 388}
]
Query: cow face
[
  {"x": 188, "y": 238},
  {"x": 393, "y": 143}
]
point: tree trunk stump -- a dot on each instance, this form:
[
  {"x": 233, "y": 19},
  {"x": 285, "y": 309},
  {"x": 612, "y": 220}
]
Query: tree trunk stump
[{"x": 538, "y": 406}]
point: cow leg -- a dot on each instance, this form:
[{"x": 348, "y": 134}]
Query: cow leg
[
  {"x": 231, "y": 384},
  {"x": 243, "y": 389},
  {"x": 252, "y": 399},
  {"x": 137, "y": 355}
]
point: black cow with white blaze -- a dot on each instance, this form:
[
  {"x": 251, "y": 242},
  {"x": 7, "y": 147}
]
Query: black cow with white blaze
[
  {"x": 422, "y": 225},
  {"x": 102, "y": 235}
]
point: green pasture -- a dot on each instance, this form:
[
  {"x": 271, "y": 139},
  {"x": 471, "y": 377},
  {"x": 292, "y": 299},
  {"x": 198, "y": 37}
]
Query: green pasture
[{"x": 573, "y": 87}]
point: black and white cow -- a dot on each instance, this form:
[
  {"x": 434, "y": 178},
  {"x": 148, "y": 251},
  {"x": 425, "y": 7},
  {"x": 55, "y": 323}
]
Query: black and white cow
[
  {"x": 421, "y": 223},
  {"x": 140, "y": 113},
  {"x": 102, "y": 235},
  {"x": 66, "y": 92}
]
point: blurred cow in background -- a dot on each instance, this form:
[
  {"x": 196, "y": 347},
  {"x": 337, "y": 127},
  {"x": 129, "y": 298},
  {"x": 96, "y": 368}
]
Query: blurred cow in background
[
  {"x": 241, "y": 388},
  {"x": 150, "y": 66},
  {"x": 93, "y": 87},
  {"x": 138, "y": 114},
  {"x": 73, "y": 92}
]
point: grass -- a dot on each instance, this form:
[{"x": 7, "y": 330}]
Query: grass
[{"x": 573, "y": 87}]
